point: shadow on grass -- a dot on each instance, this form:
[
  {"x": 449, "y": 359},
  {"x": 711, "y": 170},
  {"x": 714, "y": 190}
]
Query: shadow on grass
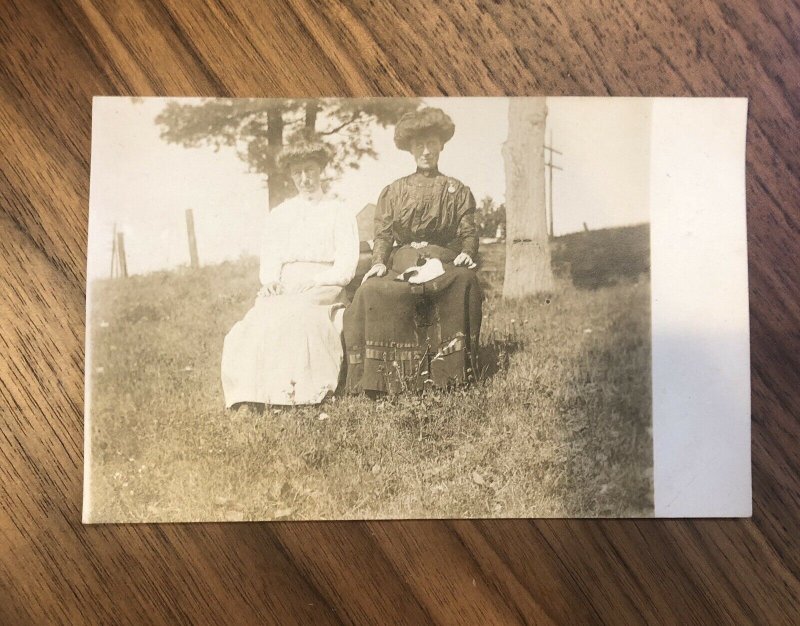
[
  {"x": 495, "y": 354},
  {"x": 605, "y": 413}
]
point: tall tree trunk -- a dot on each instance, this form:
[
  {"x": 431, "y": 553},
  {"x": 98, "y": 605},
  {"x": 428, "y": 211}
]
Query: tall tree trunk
[
  {"x": 312, "y": 108},
  {"x": 528, "y": 270},
  {"x": 279, "y": 186}
]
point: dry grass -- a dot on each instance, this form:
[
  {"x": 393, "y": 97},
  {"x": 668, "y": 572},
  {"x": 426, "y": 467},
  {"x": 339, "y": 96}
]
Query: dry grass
[{"x": 559, "y": 426}]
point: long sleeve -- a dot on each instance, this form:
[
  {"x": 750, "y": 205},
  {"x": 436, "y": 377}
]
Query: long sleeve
[
  {"x": 467, "y": 232},
  {"x": 345, "y": 259},
  {"x": 271, "y": 258},
  {"x": 384, "y": 236}
]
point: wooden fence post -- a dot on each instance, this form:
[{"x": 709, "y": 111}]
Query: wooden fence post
[
  {"x": 123, "y": 262},
  {"x": 113, "y": 250},
  {"x": 194, "y": 261}
]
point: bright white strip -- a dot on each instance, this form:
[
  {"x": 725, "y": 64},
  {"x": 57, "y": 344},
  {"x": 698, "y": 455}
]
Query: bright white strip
[{"x": 701, "y": 358}]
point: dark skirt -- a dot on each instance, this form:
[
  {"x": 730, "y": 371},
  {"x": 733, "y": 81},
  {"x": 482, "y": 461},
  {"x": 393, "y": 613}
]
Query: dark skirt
[{"x": 402, "y": 336}]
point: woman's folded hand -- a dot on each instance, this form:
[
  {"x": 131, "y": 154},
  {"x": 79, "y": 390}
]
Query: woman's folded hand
[
  {"x": 271, "y": 289},
  {"x": 464, "y": 260},
  {"x": 379, "y": 269}
]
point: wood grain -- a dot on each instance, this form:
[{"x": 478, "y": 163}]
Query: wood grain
[{"x": 55, "y": 55}]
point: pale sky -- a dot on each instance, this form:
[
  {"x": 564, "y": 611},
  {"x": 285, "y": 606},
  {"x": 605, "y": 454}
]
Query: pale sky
[{"x": 144, "y": 185}]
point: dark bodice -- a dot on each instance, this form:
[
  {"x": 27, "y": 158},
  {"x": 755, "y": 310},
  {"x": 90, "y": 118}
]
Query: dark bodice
[{"x": 425, "y": 206}]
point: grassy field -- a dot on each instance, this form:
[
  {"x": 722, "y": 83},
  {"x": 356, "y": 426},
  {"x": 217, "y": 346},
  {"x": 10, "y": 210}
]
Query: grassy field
[{"x": 558, "y": 426}]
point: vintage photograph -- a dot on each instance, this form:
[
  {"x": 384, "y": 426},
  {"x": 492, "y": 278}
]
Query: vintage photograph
[{"x": 377, "y": 308}]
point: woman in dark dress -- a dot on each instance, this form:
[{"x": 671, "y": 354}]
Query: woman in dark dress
[{"x": 400, "y": 335}]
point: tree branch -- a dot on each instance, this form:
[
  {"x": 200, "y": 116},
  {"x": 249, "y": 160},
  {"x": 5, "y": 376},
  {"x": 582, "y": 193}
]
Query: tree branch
[{"x": 353, "y": 117}]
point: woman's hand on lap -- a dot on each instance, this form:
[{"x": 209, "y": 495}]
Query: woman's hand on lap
[
  {"x": 464, "y": 260},
  {"x": 271, "y": 289},
  {"x": 379, "y": 269}
]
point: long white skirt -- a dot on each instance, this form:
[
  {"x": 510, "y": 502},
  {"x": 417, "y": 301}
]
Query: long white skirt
[{"x": 286, "y": 350}]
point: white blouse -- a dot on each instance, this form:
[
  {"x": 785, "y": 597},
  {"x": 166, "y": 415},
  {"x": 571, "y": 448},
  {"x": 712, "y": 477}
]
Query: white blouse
[{"x": 301, "y": 231}]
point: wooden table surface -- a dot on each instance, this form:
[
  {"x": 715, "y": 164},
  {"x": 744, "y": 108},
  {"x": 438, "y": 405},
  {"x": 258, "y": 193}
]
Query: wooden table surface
[{"x": 54, "y": 56}]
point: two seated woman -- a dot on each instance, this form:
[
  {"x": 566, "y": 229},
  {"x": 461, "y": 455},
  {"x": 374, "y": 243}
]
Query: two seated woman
[{"x": 397, "y": 335}]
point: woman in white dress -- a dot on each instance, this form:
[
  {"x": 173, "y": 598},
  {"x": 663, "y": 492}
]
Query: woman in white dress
[{"x": 287, "y": 349}]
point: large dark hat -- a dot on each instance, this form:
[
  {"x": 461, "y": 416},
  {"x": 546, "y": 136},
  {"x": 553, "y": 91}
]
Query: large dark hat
[
  {"x": 304, "y": 148},
  {"x": 421, "y": 122}
]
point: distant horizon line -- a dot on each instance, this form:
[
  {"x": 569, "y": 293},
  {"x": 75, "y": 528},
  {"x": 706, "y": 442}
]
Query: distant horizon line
[{"x": 253, "y": 255}]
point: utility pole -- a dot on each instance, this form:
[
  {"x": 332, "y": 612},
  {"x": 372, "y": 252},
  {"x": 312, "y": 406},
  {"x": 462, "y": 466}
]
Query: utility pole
[{"x": 549, "y": 165}]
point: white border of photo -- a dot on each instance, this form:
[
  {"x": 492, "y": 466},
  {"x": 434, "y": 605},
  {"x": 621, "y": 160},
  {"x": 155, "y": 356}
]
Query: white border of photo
[{"x": 700, "y": 314}]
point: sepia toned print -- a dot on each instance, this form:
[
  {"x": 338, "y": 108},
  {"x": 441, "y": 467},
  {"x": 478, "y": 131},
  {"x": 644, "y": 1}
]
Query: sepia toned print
[{"x": 369, "y": 308}]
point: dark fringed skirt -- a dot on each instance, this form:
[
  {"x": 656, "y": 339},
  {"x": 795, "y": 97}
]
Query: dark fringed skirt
[{"x": 401, "y": 336}]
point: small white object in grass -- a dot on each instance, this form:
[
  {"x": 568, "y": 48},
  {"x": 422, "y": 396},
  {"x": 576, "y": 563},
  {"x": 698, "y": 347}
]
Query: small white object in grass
[
  {"x": 323, "y": 416},
  {"x": 99, "y": 370},
  {"x": 478, "y": 479},
  {"x": 103, "y": 324},
  {"x": 587, "y": 330},
  {"x": 376, "y": 469},
  {"x": 188, "y": 368}
]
